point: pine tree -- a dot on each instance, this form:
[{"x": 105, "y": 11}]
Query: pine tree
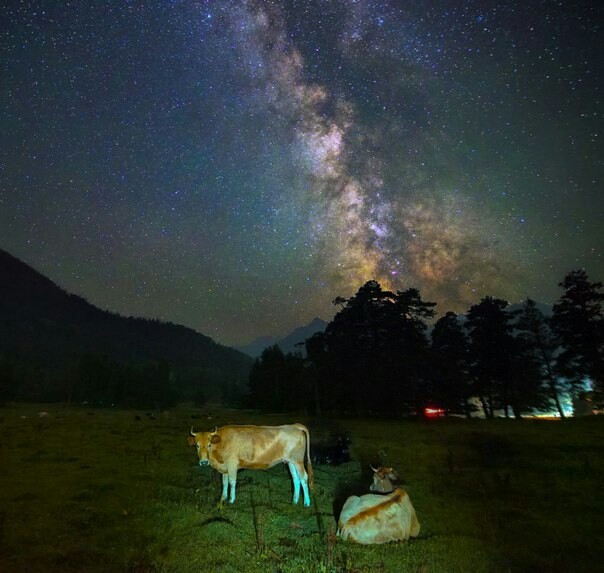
[
  {"x": 355, "y": 342},
  {"x": 491, "y": 347},
  {"x": 451, "y": 385},
  {"x": 267, "y": 381},
  {"x": 375, "y": 350},
  {"x": 540, "y": 341},
  {"x": 579, "y": 322}
]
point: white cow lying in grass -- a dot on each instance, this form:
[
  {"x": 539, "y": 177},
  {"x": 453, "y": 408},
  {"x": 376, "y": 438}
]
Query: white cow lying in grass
[{"x": 373, "y": 518}]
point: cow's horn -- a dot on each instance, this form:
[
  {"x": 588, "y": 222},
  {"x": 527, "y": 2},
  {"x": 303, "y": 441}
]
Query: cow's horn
[
  {"x": 192, "y": 432},
  {"x": 374, "y": 469}
]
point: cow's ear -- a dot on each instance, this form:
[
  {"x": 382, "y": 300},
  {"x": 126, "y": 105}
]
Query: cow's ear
[
  {"x": 191, "y": 440},
  {"x": 215, "y": 439}
]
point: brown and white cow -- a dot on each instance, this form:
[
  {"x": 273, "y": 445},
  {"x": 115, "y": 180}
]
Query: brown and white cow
[
  {"x": 230, "y": 448},
  {"x": 373, "y": 518},
  {"x": 383, "y": 480}
]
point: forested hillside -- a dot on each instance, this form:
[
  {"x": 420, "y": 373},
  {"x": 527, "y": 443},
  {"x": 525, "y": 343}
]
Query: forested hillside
[{"x": 55, "y": 345}]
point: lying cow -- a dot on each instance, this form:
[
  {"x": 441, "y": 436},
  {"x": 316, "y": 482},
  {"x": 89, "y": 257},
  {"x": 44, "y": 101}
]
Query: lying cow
[
  {"x": 230, "y": 448},
  {"x": 383, "y": 479},
  {"x": 373, "y": 518}
]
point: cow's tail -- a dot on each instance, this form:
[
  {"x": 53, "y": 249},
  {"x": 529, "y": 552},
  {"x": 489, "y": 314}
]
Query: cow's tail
[{"x": 308, "y": 463}]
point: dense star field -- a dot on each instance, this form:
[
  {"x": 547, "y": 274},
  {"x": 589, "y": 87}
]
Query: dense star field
[{"x": 235, "y": 165}]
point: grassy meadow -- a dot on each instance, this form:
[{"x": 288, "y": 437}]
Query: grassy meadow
[{"x": 89, "y": 490}]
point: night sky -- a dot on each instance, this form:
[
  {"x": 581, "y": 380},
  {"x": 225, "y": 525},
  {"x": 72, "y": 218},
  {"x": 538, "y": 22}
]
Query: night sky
[{"x": 235, "y": 165}]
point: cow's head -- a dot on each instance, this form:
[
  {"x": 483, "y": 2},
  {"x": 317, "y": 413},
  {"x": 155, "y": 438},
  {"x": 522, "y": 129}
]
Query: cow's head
[
  {"x": 383, "y": 479},
  {"x": 203, "y": 441}
]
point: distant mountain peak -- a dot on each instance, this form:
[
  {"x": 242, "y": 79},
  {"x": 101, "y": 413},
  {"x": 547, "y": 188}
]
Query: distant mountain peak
[
  {"x": 293, "y": 342},
  {"x": 257, "y": 346}
]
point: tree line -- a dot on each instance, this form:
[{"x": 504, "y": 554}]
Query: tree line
[
  {"x": 377, "y": 357},
  {"x": 56, "y": 347},
  {"x": 101, "y": 380}
]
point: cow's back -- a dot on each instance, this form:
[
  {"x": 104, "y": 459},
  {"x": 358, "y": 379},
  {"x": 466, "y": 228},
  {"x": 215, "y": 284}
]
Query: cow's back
[
  {"x": 376, "y": 519},
  {"x": 259, "y": 447}
]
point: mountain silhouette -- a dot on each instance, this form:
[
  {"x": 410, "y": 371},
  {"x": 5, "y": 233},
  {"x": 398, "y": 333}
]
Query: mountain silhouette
[
  {"x": 293, "y": 342},
  {"x": 49, "y": 329},
  {"x": 257, "y": 346}
]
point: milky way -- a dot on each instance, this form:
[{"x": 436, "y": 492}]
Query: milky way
[{"x": 235, "y": 166}]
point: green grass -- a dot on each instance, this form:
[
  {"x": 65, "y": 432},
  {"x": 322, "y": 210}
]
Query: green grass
[{"x": 97, "y": 490}]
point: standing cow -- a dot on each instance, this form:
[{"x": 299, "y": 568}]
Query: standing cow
[
  {"x": 373, "y": 518},
  {"x": 230, "y": 448}
]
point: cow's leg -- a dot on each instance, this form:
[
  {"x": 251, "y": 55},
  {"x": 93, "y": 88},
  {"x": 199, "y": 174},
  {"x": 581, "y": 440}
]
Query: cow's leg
[
  {"x": 305, "y": 490},
  {"x": 233, "y": 483},
  {"x": 303, "y": 478},
  {"x": 296, "y": 478},
  {"x": 225, "y": 486}
]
